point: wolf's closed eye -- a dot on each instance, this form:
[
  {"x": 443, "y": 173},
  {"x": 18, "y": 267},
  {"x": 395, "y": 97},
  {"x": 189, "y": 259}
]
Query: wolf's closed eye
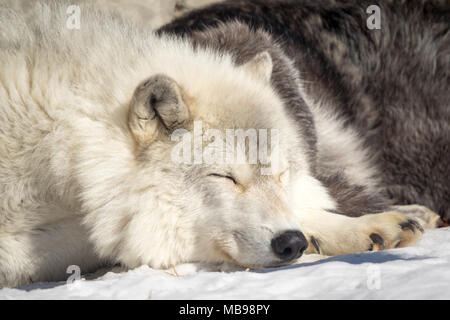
[{"x": 223, "y": 176}]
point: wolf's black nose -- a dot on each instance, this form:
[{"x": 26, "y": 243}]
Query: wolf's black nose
[{"x": 289, "y": 245}]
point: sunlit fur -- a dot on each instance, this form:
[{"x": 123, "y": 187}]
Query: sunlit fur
[
  {"x": 76, "y": 189},
  {"x": 79, "y": 188}
]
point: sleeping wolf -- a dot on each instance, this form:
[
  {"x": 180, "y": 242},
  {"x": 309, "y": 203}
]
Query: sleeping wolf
[{"x": 92, "y": 119}]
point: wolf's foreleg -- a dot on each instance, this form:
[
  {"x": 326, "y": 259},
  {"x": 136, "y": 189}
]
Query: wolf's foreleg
[{"x": 332, "y": 234}]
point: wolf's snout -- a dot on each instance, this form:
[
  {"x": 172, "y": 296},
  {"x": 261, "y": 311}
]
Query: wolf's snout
[{"x": 289, "y": 245}]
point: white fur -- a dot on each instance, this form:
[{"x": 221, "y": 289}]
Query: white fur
[
  {"x": 340, "y": 149},
  {"x": 77, "y": 188},
  {"x": 67, "y": 155}
]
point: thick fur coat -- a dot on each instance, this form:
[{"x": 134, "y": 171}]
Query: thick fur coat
[
  {"x": 90, "y": 119},
  {"x": 387, "y": 89}
]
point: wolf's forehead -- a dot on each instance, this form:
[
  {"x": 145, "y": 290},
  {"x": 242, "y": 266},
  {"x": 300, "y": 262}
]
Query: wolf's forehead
[
  {"x": 250, "y": 159},
  {"x": 244, "y": 113},
  {"x": 237, "y": 98}
]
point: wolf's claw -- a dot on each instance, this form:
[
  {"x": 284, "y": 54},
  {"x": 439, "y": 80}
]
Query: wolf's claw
[
  {"x": 377, "y": 239},
  {"x": 315, "y": 243}
]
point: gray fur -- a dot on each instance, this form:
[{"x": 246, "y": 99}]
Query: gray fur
[{"x": 390, "y": 86}]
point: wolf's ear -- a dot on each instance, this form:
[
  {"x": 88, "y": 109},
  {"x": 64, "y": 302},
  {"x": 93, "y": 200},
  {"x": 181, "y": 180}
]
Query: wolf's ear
[
  {"x": 260, "y": 65},
  {"x": 157, "y": 105}
]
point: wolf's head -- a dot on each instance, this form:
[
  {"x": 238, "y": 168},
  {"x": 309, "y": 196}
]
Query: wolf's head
[{"x": 218, "y": 159}]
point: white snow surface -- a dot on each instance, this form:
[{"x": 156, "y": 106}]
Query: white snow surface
[{"x": 418, "y": 272}]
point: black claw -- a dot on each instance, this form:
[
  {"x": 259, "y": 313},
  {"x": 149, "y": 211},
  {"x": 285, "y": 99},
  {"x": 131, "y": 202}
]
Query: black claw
[
  {"x": 370, "y": 247},
  {"x": 407, "y": 225},
  {"x": 315, "y": 243},
  {"x": 416, "y": 224},
  {"x": 376, "y": 238},
  {"x": 411, "y": 225}
]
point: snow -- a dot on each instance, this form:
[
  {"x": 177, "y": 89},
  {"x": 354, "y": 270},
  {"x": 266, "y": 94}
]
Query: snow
[{"x": 418, "y": 272}]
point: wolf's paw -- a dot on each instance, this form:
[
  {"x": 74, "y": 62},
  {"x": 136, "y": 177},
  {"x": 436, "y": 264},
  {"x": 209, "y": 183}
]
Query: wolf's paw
[
  {"x": 371, "y": 232},
  {"x": 392, "y": 230},
  {"x": 427, "y": 218}
]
